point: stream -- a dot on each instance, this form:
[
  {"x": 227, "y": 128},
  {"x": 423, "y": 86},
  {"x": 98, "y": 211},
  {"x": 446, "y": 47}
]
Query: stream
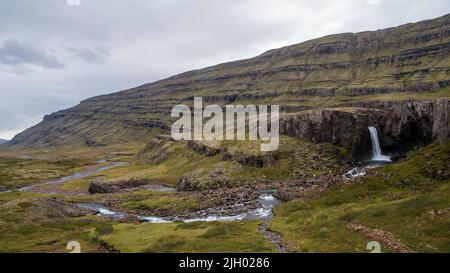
[
  {"x": 362, "y": 170},
  {"x": 264, "y": 212},
  {"x": 77, "y": 175},
  {"x": 266, "y": 200}
]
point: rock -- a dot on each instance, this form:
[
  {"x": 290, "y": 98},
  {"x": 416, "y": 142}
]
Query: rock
[
  {"x": 102, "y": 187},
  {"x": 156, "y": 150},
  {"x": 288, "y": 194},
  {"x": 164, "y": 137},
  {"x": 92, "y": 143},
  {"x": 263, "y": 160},
  {"x": 128, "y": 218},
  {"x": 384, "y": 237},
  {"x": 341, "y": 126},
  {"x": 207, "y": 148},
  {"x": 401, "y": 126},
  {"x": 201, "y": 180},
  {"x": 441, "y": 118},
  {"x": 46, "y": 208},
  {"x": 406, "y": 125}
]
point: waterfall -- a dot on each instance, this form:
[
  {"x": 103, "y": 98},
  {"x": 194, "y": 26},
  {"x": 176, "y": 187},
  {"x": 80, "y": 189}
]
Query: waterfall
[
  {"x": 376, "y": 149},
  {"x": 378, "y": 158}
]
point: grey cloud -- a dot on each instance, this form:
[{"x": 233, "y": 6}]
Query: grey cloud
[
  {"x": 15, "y": 53},
  {"x": 91, "y": 55}
]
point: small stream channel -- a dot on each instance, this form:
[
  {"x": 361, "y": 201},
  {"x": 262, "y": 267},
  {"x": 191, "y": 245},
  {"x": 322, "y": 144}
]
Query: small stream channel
[{"x": 264, "y": 212}]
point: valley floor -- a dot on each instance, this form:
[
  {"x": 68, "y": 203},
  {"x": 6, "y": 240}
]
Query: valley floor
[{"x": 405, "y": 206}]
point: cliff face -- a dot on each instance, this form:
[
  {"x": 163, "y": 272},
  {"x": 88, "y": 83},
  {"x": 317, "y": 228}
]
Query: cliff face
[
  {"x": 339, "y": 70},
  {"x": 400, "y": 126},
  {"x": 417, "y": 122},
  {"x": 341, "y": 126}
]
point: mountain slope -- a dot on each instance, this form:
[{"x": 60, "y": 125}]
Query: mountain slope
[
  {"x": 411, "y": 61},
  {"x": 3, "y": 141}
]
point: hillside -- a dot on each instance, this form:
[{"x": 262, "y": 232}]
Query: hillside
[{"x": 372, "y": 69}]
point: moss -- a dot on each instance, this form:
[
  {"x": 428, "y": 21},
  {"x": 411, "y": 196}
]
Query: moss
[
  {"x": 203, "y": 237},
  {"x": 80, "y": 184},
  {"x": 104, "y": 229},
  {"x": 51, "y": 237},
  {"x": 163, "y": 203},
  {"x": 9, "y": 196}
]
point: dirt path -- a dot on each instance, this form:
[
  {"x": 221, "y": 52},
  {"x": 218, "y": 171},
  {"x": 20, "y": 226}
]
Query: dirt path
[{"x": 383, "y": 237}]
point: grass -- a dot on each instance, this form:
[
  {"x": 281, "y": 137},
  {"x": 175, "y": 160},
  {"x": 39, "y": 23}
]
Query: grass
[
  {"x": 33, "y": 223},
  {"x": 203, "y": 237},
  {"x": 164, "y": 202},
  {"x": 297, "y": 159},
  {"x": 113, "y": 152},
  {"x": 19, "y": 172},
  {"x": 9, "y": 196},
  {"x": 27, "y": 228},
  {"x": 79, "y": 184},
  {"x": 120, "y": 196},
  {"x": 410, "y": 199},
  {"x": 51, "y": 237}
]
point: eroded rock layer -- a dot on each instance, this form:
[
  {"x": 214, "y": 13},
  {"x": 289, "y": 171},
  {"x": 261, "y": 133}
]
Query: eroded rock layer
[{"x": 336, "y": 70}]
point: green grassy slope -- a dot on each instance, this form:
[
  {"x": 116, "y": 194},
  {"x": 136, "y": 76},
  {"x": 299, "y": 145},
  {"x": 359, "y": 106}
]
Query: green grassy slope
[{"x": 410, "y": 199}]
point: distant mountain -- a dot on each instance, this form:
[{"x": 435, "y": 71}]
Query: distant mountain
[
  {"x": 3, "y": 141},
  {"x": 368, "y": 69}
]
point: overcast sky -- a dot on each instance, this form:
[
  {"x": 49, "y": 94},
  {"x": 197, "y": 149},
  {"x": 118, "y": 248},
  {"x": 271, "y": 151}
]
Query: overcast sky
[{"x": 52, "y": 55}]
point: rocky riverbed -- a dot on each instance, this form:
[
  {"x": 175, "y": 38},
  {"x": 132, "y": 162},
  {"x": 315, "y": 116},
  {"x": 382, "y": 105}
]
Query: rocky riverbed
[{"x": 252, "y": 201}]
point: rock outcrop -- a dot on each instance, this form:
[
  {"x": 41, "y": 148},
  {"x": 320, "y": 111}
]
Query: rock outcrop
[
  {"x": 102, "y": 187},
  {"x": 413, "y": 123},
  {"x": 345, "y": 127},
  {"x": 401, "y": 126},
  {"x": 203, "y": 180},
  {"x": 156, "y": 150},
  {"x": 261, "y": 160},
  {"x": 204, "y": 147}
]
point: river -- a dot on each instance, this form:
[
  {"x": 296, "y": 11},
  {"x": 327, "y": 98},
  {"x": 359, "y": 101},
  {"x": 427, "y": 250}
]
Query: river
[{"x": 264, "y": 212}]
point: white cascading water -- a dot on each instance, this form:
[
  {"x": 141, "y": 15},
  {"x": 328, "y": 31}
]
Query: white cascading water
[
  {"x": 376, "y": 149},
  {"x": 377, "y": 158}
]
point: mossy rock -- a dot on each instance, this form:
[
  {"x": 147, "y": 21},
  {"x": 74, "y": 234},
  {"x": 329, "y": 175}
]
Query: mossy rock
[{"x": 203, "y": 180}]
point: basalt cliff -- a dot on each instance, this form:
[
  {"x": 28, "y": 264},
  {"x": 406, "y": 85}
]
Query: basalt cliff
[{"x": 329, "y": 90}]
